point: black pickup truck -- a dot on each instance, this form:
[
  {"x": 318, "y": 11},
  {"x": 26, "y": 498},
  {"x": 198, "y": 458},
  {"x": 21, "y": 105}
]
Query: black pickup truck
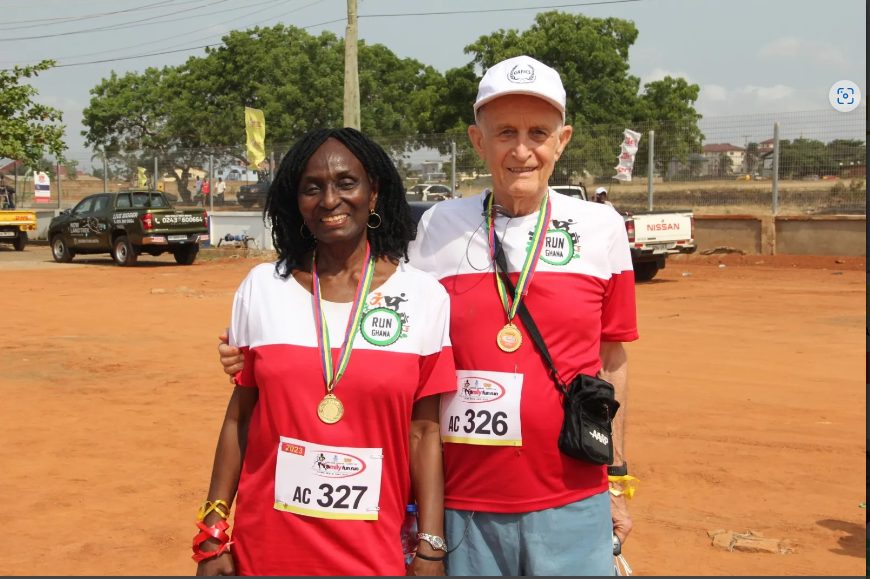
[
  {"x": 127, "y": 224},
  {"x": 254, "y": 194}
]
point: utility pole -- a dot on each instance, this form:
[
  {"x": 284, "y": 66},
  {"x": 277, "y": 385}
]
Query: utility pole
[{"x": 351, "y": 74}]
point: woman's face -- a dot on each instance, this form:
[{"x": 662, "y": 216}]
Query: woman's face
[{"x": 335, "y": 195}]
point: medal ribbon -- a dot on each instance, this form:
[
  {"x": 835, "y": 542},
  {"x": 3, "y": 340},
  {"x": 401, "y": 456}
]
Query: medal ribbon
[
  {"x": 353, "y": 321},
  {"x": 532, "y": 256}
]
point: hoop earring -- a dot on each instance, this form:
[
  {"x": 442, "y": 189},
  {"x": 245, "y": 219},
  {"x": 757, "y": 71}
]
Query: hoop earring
[
  {"x": 302, "y": 230},
  {"x": 373, "y": 214}
]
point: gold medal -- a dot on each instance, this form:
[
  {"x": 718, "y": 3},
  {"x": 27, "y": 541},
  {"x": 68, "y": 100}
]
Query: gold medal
[
  {"x": 509, "y": 338},
  {"x": 330, "y": 410}
]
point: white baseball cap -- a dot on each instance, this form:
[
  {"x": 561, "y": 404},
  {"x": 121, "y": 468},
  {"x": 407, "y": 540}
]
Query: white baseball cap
[
  {"x": 521, "y": 75},
  {"x": 601, "y": 190}
]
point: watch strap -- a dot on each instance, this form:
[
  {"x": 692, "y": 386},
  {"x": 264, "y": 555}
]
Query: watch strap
[
  {"x": 621, "y": 470},
  {"x": 436, "y": 542}
]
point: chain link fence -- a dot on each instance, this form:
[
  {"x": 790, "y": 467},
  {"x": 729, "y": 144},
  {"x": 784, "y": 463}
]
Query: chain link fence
[{"x": 789, "y": 163}]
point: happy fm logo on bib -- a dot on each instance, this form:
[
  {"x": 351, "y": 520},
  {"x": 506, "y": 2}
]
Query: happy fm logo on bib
[
  {"x": 383, "y": 323},
  {"x": 337, "y": 465},
  {"x": 476, "y": 390},
  {"x": 561, "y": 245}
]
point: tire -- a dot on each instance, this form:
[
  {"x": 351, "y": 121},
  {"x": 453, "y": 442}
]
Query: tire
[
  {"x": 123, "y": 252},
  {"x": 246, "y": 204},
  {"x": 645, "y": 271},
  {"x": 21, "y": 241},
  {"x": 60, "y": 251},
  {"x": 186, "y": 254}
]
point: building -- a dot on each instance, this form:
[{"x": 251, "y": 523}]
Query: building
[{"x": 716, "y": 153}]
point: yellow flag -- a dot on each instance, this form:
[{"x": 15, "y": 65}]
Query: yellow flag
[
  {"x": 255, "y": 128},
  {"x": 142, "y": 178}
]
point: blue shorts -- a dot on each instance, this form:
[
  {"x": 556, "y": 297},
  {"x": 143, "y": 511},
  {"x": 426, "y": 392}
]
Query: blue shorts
[{"x": 575, "y": 539}]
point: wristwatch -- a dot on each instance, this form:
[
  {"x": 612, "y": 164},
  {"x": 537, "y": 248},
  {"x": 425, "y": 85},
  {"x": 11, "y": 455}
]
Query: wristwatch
[
  {"x": 438, "y": 543},
  {"x": 621, "y": 470}
]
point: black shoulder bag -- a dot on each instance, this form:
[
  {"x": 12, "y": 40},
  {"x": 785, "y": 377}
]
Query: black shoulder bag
[{"x": 589, "y": 402}]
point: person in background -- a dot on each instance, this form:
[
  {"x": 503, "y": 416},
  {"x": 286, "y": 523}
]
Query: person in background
[
  {"x": 601, "y": 196},
  {"x": 333, "y": 424}
]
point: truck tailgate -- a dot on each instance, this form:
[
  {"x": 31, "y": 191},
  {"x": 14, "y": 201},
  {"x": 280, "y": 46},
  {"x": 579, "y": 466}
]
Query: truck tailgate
[
  {"x": 662, "y": 227},
  {"x": 179, "y": 221}
]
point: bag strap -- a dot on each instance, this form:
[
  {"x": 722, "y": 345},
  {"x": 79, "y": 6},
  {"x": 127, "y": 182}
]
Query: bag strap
[{"x": 526, "y": 316}]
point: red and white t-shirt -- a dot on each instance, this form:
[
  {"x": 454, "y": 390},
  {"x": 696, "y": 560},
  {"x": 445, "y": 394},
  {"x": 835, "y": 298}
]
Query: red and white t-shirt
[
  {"x": 500, "y": 449},
  {"x": 319, "y": 518}
]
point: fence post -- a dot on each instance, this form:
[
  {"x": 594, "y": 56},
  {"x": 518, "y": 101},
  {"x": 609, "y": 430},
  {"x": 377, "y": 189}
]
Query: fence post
[
  {"x": 210, "y": 187},
  {"x": 154, "y": 178},
  {"x": 650, "y": 169},
  {"x": 59, "y": 186},
  {"x": 105, "y": 173},
  {"x": 775, "y": 168},
  {"x": 453, "y": 170}
]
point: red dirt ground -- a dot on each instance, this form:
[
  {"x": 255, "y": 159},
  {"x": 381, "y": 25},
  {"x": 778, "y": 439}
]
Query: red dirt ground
[{"x": 747, "y": 412}]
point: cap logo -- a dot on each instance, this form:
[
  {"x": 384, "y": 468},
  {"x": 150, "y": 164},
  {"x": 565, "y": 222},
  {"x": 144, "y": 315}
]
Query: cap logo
[{"x": 522, "y": 73}]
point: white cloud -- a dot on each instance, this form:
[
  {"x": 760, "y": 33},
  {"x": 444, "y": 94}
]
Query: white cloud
[
  {"x": 660, "y": 73},
  {"x": 716, "y": 100},
  {"x": 814, "y": 52},
  {"x": 781, "y": 47},
  {"x": 713, "y": 92}
]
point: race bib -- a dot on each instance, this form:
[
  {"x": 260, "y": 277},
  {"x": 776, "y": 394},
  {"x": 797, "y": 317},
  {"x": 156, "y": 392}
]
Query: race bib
[
  {"x": 328, "y": 482},
  {"x": 485, "y": 409}
]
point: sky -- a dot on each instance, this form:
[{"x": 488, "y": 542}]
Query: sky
[{"x": 756, "y": 61}]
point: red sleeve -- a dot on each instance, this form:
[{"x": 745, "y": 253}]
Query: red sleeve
[
  {"x": 245, "y": 377},
  {"x": 437, "y": 374}
]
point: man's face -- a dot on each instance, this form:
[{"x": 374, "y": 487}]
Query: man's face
[{"x": 520, "y": 138}]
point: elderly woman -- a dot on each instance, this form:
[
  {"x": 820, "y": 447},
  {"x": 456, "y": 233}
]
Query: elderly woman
[{"x": 333, "y": 424}]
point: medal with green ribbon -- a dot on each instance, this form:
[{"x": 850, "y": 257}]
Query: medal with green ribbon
[
  {"x": 330, "y": 410},
  {"x": 509, "y": 338}
]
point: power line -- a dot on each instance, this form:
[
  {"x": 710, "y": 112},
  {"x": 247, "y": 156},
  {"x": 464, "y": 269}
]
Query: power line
[
  {"x": 16, "y": 24},
  {"x": 440, "y": 13},
  {"x": 154, "y": 41},
  {"x": 119, "y": 26},
  {"x": 483, "y": 11}
]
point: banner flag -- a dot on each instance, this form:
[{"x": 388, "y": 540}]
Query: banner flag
[
  {"x": 255, "y": 128},
  {"x": 42, "y": 187},
  {"x": 141, "y": 179},
  {"x": 626, "y": 155}
]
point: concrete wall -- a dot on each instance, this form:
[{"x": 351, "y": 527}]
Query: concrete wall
[
  {"x": 827, "y": 235},
  {"x": 738, "y": 231},
  {"x": 801, "y": 235}
]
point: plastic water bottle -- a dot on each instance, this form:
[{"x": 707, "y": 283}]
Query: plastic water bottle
[{"x": 409, "y": 533}]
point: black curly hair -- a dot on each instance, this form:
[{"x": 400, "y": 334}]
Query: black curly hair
[{"x": 282, "y": 207}]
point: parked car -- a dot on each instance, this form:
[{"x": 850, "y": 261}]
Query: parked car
[
  {"x": 429, "y": 192},
  {"x": 254, "y": 194},
  {"x": 14, "y": 225},
  {"x": 127, "y": 224}
]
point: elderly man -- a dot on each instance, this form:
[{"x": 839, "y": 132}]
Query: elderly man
[{"x": 515, "y": 504}]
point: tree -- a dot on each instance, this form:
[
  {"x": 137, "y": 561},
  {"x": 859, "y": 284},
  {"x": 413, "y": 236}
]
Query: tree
[
  {"x": 667, "y": 107},
  {"x": 591, "y": 55},
  {"x": 27, "y": 128},
  {"x": 803, "y": 157},
  {"x": 603, "y": 99},
  {"x": 752, "y": 158},
  {"x": 724, "y": 165},
  {"x": 188, "y": 112}
]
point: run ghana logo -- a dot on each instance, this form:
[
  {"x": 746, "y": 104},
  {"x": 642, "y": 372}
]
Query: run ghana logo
[
  {"x": 561, "y": 245},
  {"x": 383, "y": 324}
]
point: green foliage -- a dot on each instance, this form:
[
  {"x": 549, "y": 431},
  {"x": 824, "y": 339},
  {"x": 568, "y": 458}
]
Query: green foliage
[
  {"x": 27, "y": 128},
  {"x": 591, "y": 55}
]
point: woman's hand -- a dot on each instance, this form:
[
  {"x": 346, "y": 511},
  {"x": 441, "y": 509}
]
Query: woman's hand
[
  {"x": 220, "y": 565},
  {"x": 231, "y": 357}
]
